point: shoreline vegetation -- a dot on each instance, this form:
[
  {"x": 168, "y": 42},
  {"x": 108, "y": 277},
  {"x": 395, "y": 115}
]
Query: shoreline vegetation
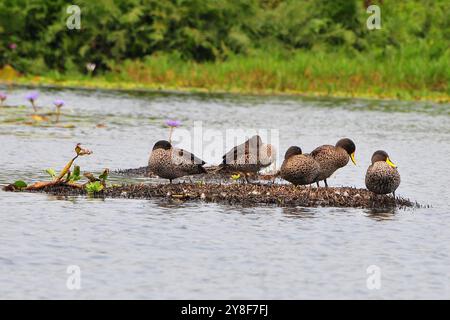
[
  {"x": 302, "y": 73},
  {"x": 262, "y": 47}
]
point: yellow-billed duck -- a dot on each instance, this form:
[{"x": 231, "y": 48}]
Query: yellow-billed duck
[
  {"x": 170, "y": 163},
  {"x": 331, "y": 158},
  {"x": 249, "y": 157},
  {"x": 382, "y": 176},
  {"x": 298, "y": 168}
]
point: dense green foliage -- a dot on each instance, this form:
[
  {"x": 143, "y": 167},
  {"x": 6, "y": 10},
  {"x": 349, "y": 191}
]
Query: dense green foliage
[
  {"x": 279, "y": 44},
  {"x": 112, "y": 31}
]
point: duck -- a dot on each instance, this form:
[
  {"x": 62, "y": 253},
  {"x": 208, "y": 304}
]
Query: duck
[
  {"x": 169, "y": 162},
  {"x": 249, "y": 157},
  {"x": 331, "y": 158},
  {"x": 298, "y": 168},
  {"x": 382, "y": 176}
]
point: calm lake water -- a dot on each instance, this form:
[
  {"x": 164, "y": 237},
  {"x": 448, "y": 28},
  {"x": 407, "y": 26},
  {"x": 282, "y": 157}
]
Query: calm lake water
[{"x": 156, "y": 250}]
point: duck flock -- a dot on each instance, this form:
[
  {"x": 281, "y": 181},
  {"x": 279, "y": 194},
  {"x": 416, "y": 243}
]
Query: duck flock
[{"x": 382, "y": 177}]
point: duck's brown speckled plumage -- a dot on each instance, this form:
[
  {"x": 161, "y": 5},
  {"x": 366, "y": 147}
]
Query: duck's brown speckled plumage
[
  {"x": 174, "y": 163},
  {"x": 299, "y": 169},
  {"x": 331, "y": 158},
  {"x": 381, "y": 178},
  {"x": 249, "y": 157}
]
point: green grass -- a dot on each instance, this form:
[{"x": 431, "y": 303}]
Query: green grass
[{"x": 408, "y": 74}]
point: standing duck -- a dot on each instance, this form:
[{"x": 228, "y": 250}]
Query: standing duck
[
  {"x": 249, "y": 157},
  {"x": 170, "y": 163},
  {"x": 382, "y": 176},
  {"x": 331, "y": 158},
  {"x": 298, "y": 168}
]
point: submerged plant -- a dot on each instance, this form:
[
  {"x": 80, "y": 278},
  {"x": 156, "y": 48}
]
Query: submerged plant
[
  {"x": 32, "y": 97},
  {"x": 58, "y": 104},
  {"x": 3, "y": 97},
  {"x": 172, "y": 124}
]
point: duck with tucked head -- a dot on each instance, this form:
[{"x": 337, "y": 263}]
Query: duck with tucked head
[
  {"x": 170, "y": 163},
  {"x": 298, "y": 168},
  {"x": 382, "y": 176},
  {"x": 331, "y": 158},
  {"x": 249, "y": 157}
]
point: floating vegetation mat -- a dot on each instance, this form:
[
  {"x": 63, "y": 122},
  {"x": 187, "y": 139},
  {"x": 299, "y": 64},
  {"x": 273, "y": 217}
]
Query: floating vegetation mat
[
  {"x": 241, "y": 194},
  {"x": 212, "y": 174}
]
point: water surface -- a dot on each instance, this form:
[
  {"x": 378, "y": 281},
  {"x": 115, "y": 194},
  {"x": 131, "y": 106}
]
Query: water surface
[{"x": 153, "y": 249}]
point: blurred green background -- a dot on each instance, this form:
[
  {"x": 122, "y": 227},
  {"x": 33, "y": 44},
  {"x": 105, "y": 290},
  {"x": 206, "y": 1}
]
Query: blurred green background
[{"x": 299, "y": 46}]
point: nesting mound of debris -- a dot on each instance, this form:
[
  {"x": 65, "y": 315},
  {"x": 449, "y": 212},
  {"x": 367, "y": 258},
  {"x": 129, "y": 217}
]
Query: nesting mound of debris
[{"x": 243, "y": 194}]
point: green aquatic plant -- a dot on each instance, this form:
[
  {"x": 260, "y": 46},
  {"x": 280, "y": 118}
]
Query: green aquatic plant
[
  {"x": 94, "y": 187},
  {"x": 75, "y": 176},
  {"x": 104, "y": 176},
  {"x": 66, "y": 177},
  {"x": 70, "y": 177},
  {"x": 20, "y": 184},
  {"x": 51, "y": 173},
  {"x": 101, "y": 178},
  {"x": 79, "y": 153}
]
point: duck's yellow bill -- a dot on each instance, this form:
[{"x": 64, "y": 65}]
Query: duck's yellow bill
[
  {"x": 352, "y": 156},
  {"x": 389, "y": 162}
]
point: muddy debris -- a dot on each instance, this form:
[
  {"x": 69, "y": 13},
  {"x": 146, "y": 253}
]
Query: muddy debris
[{"x": 242, "y": 194}]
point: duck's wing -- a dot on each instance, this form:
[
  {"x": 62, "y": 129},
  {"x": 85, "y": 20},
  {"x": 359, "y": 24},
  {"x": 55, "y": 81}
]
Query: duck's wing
[
  {"x": 245, "y": 148},
  {"x": 321, "y": 150},
  {"x": 184, "y": 157}
]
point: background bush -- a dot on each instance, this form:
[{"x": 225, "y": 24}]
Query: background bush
[{"x": 210, "y": 30}]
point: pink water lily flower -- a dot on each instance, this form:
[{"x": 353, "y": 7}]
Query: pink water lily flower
[
  {"x": 58, "y": 103},
  {"x": 32, "y": 97},
  {"x": 173, "y": 123}
]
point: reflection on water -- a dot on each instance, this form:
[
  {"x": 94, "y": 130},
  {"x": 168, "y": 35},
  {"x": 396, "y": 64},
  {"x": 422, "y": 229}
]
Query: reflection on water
[
  {"x": 298, "y": 212},
  {"x": 156, "y": 249},
  {"x": 381, "y": 214}
]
